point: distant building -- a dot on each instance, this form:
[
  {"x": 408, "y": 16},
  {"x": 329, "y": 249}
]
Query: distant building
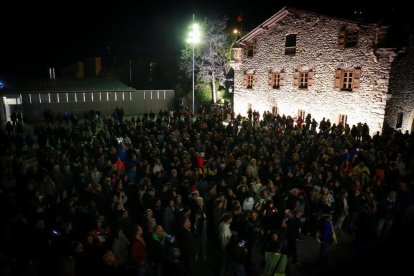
[
  {"x": 299, "y": 62},
  {"x": 34, "y": 97}
]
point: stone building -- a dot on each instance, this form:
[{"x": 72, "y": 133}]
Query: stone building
[
  {"x": 299, "y": 62},
  {"x": 399, "y": 113}
]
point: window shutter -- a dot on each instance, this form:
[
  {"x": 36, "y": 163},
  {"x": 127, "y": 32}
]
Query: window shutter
[
  {"x": 310, "y": 78},
  {"x": 282, "y": 79},
  {"x": 245, "y": 50},
  {"x": 296, "y": 79},
  {"x": 254, "y": 81},
  {"x": 254, "y": 49},
  {"x": 245, "y": 80},
  {"x": 337, "y": 83},
  {"x": 341, "y": 39},
  {"x": 270, "y": 79},
  {"x": 356, "y": 79}
]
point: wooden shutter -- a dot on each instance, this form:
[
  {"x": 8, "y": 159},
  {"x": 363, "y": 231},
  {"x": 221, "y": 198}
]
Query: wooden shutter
[
  {"x": 341, "y": 39},
  {"x": 245, "y": 50},
  {"x": 282, "y": 79},
  {"x": 254, "y": 81},
  {"x": 310, "y": 78},
  {"x": 245, "y": 80},
  {"x": 296, "y": 79},
  {"x": 356, "y": 79},
  {"x": 270, "y": 79},
  {"x": 254, "y": 48},
  {"x": 337, "y": 83}
]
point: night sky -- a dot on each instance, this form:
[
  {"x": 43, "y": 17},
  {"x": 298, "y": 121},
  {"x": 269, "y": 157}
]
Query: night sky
[{"x": 37, "y": 35}]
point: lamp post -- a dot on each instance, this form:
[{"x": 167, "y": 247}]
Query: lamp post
[{"x": 194, "y": 38}]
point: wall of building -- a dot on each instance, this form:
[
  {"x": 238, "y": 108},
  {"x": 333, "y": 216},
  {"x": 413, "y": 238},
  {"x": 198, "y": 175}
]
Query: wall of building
[
  {"x": 316, "y": 49},
  {"x": 402, "y": 91},
  {"x": 133, "y": 102}
]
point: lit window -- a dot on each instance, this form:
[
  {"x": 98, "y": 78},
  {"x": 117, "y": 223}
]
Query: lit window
[
  {"x": 275, "y": 110},
  {"x": 347, "y": 79},
  {"x": 303, "y": 79},
  {"x": 343, "y": 119},
  {"x": 276, "y": 79},
  {"x": 249, "y": 80},
  {"x": 303, "y": 82}
]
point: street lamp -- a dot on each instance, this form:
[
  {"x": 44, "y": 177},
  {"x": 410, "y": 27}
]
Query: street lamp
[{"x": 194, "y": 38}]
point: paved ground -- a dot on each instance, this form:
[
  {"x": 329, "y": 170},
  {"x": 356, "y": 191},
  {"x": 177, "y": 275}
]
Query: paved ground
[{"x": 308, "y": 258}]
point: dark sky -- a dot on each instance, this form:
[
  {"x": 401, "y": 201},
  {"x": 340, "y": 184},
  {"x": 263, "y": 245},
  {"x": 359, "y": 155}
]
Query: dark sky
[{"x": 37, "y": 35}]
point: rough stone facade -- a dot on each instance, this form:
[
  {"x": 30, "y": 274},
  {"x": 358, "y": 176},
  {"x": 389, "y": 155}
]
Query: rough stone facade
[
  {"x": 402, "y": 91},
  {"x": 317, "y": 51}
]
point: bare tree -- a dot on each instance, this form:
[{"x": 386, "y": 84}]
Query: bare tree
[{"x": 211, "y": 55}]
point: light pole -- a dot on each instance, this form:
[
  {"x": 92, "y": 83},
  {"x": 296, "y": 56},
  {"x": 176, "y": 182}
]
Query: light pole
[{"x": 194, "y": 38}]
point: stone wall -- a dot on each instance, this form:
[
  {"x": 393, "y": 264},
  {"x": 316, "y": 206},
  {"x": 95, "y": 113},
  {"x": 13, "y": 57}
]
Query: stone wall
[
  {"x": 316, "y": 49},
  {"x": 402, "y": 91}
]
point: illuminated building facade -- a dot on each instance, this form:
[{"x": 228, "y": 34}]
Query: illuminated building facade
[{"x": 300, "y": 62}]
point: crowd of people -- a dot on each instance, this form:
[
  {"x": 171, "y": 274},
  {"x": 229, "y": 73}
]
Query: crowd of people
[{"x": 156, "y": 194}]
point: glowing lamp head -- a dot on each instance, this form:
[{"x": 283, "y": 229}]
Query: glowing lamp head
[{"x": 194, "y": 35}]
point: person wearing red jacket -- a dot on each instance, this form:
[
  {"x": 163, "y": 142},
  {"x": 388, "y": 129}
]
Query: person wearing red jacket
[{"x": 139, "y": 253}]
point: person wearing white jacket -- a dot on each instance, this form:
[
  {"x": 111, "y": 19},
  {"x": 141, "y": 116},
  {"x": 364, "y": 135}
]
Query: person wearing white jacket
[
  {"x": 224, "y": 232},
  {"x": 224, "y": 235}
]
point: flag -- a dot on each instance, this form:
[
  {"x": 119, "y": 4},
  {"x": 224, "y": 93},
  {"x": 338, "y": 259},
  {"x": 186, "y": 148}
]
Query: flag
[{"x": 239, "y": 18}]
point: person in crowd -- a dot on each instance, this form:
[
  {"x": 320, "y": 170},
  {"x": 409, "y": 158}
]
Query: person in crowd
[
  {"x": 327, "y": 235},
  {"x": 369, "y": 180},
  {"x": 138, "y": 253}
]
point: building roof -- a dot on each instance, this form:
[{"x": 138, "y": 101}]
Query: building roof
[
  {"x": 282, "y": 14},
  {"x": 68, "y": 85}
]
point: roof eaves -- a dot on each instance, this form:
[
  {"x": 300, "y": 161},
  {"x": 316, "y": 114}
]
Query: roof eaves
[
  {"x": 285, "y": 11},
  {"x": 276, "y": 17}
]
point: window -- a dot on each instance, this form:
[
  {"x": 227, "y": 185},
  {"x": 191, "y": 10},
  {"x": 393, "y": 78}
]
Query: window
[
  {"x": 275, "y": 110},
  {"x": 250, "y": 50},
  {"x": 303, "y": 79},
  {"x": 249, "y": 80},
  {"x": 301, "y": 114},
  {"x": 276, "y": 79},
  {"x": 290, "y": 44},
  {"x": 347, "y": 79},
  {"x": 399, "y": 120},
  {"x": 343, "y": 119},
  {"x": 348, "y": 38}
]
